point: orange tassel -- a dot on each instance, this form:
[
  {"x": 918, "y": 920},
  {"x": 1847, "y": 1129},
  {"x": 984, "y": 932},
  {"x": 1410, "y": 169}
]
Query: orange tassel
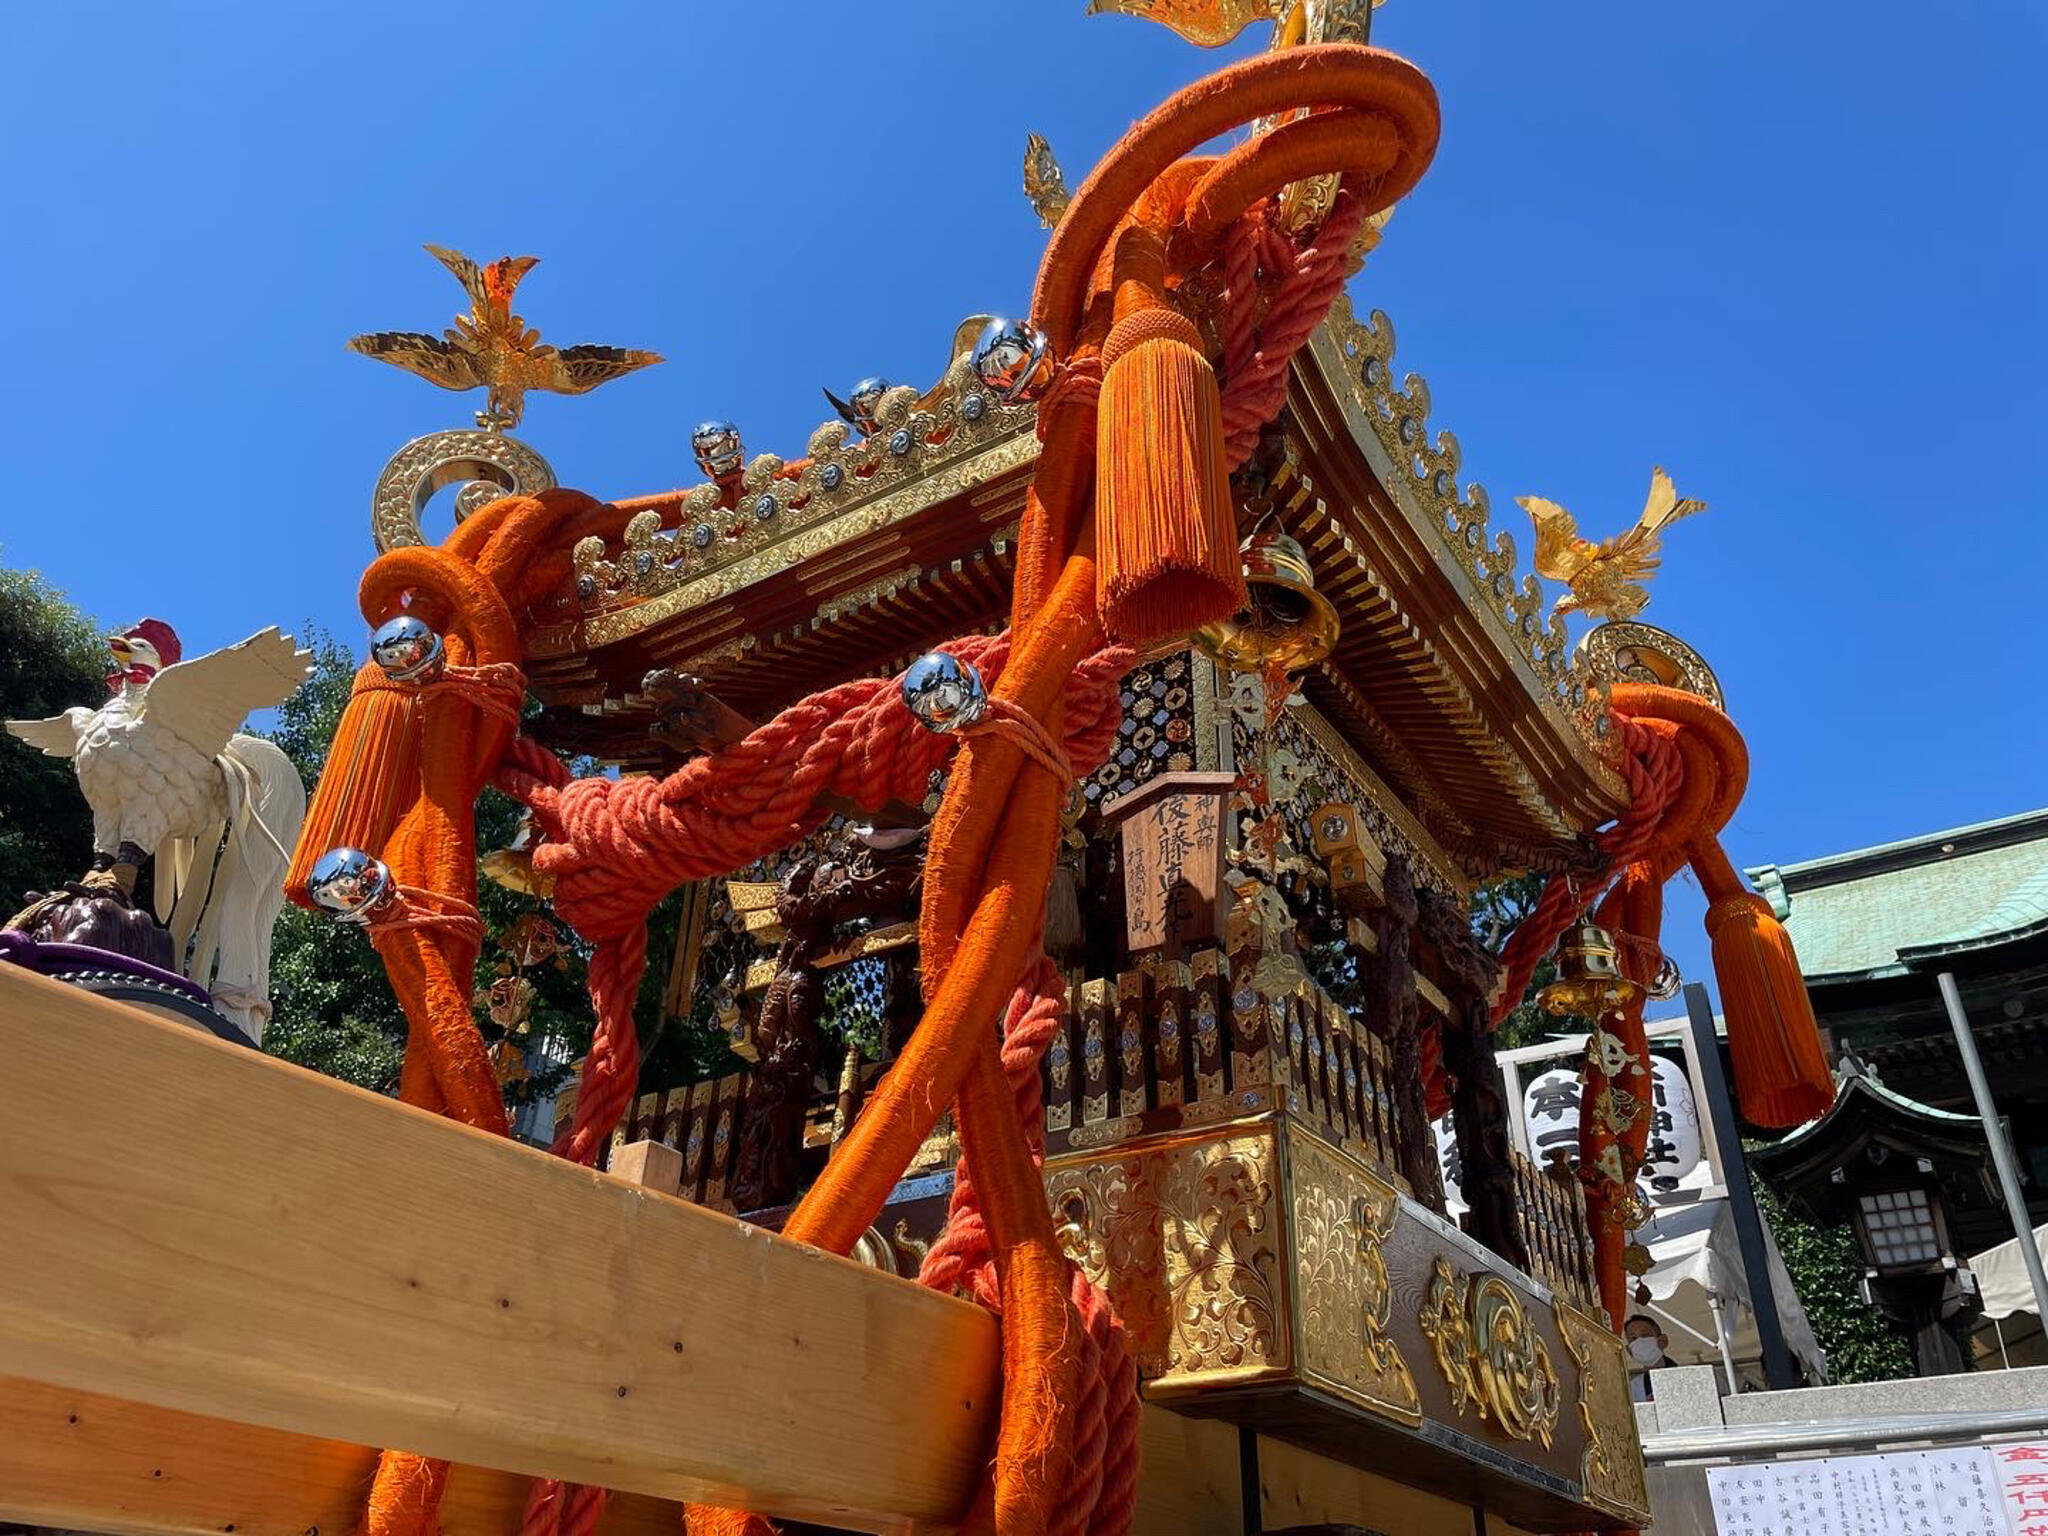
[
  {"x": 370, "y": 779},
  {"x": 1165, "y": 523},
  {"x": 1781, "y": 1074}
]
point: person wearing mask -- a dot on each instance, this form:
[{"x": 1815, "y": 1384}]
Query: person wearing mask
[{"x": 1646, "y": 1342}]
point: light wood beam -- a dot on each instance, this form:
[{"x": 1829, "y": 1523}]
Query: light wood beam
[
  {"x": 194, "y": 1226},
  {"x": 74, "y": 1461}
]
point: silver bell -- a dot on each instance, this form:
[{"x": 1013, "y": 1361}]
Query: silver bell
[
  {"x": 859, "y": 408},
  {"x": 1014, "y": 360},
  {"x": 408, "y": 650},
  {"x": 718, "y": 449},
  {"x": 349, "y": 884},
  {"x": 944, "y": 692}
]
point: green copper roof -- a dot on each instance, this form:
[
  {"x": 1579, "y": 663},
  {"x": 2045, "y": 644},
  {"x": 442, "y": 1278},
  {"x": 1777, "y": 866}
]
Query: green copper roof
[{"x": 1874, "y": 911}]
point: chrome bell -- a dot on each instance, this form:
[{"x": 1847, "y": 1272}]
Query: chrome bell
[
  {"x": 408, "y": 650},
  {"x": 719, "y": 451},
  {"x": 1589, "y": 980},
  {"x": 1286, "y": 622},
  {"x": 1014, "y": 360},
  {"x": 944, "y": 692},
  {"x": 859, "y": 408},
  {"x": 349, "y": 884}
]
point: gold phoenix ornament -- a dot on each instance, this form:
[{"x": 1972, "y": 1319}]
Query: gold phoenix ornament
[
  {"x": 492, "y": 349},
  {"x": 1212, "y": 23},
  {"x": 1044, "y": 182},
  {"x": 1606, "y": 579}
]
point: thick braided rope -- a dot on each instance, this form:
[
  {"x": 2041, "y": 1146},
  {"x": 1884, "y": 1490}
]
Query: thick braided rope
[
  {"x": 1256, "y": 382},
  {"x": 410, "y": 906},
  {"x": 1651, "y": 766},
  {"x": 616, "y": 847},
  {"x": 497, "y": 688},
  {"x": 1101, "y": 1490}
]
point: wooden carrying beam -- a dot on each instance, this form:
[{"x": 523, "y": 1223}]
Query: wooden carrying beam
[{"x": 194, "y": 1226}]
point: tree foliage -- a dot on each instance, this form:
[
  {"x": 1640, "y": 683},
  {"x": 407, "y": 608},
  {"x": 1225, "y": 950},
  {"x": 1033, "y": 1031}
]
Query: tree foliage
[
  {"x": 1824, "y": 1263},
  {"x": 52, "y": 656},
  {"x": 335, "y": 1011}
]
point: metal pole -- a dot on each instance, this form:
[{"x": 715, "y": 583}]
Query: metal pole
[
  {"x": 1721, "y": 1327},
  {"x": 1749, "y": 1225},
  {"x": 1994, "y": 1132}
]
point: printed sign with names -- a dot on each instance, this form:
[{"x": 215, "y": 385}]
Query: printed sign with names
[{"x": 1954, "y": 1492}]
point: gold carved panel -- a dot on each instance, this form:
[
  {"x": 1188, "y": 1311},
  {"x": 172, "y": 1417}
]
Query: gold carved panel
[
  {"x": 1490, "y": 1354},
  {"x": 1611, "y": 1467},
  {"x": 1184, "y": 1237},
  {"x": 1342, "y": 1216}
]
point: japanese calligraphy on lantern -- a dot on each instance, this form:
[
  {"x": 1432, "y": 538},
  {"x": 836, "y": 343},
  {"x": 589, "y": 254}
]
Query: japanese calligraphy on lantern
[
  {"x": 1550, "y": 1110},
  {"x": 1172, "y": 851},
  {"x": 1953, "y": 1492}
]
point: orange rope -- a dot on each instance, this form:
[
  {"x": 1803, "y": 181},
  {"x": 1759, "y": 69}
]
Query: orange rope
[{"x": 616, "y": 846}]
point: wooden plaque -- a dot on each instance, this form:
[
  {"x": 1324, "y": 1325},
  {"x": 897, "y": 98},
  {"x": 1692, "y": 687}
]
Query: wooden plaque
[{"x": 1172, "y": 846}]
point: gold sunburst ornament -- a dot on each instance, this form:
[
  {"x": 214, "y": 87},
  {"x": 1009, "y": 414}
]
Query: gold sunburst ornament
[
  {"x": 492, "y": 349},
  {"x": 1606, "y": 579}
]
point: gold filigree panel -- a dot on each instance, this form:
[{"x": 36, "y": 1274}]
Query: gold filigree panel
[
  {"x": 1489, "y": 1353},
  {"x": 1342, "y": 1218},
  {"x": 1625, "y": 651},
  {"x": 1184, "y": 1237},
  {"x": 1611, "y": 1467}
]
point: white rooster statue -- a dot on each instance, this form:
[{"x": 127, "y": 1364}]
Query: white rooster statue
[{"x": 167, "y": 773}]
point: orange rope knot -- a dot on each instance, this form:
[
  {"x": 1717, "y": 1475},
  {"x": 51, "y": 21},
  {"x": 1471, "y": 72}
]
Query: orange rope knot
[{"x": 1006, "y": 719}]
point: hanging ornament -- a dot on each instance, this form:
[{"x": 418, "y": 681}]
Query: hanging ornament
[
  {"x": 509, "y": 1001},
  {"x": 1286, "y": 624},
  {"x": 512, "y": 865},
  {"x": 509, "y": 1062},
  {"x": 1635, "y": 1258},
  {"x": 1589, "y": 979},
  {"x": 531, "y": 939}
]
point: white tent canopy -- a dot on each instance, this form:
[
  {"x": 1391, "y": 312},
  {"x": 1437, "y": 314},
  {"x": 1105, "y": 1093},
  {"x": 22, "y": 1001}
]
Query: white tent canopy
[
  {"x": 1699, "y": 1291},
  {"x": 2002, "y": 1276}
]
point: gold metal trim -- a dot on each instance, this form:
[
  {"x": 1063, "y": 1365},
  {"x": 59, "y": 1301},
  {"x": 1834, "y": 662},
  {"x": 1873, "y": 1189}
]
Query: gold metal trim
[
  {"x": 491, "y": 464},
  {"x": 845, "y": 492}
]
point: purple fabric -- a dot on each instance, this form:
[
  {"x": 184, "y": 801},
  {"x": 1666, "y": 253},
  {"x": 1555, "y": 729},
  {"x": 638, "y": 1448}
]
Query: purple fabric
[{"x": 50, "y": 959}]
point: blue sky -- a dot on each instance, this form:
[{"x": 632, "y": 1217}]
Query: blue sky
[{"x": 1790, "y": 252}]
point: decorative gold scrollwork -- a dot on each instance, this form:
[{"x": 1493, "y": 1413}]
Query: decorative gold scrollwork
[
  {"x": 1490, "y": 1354},
  {"x": 1342, "y": 1217},
  {"x": 1611, "y": 1468},
  {"x": 1182, "y": 1237},
  {"x": 487, "y": 465}
]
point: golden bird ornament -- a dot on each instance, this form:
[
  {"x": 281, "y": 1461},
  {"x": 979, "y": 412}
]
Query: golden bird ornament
[
  {"x": 1045, "y": 184},
  {"x": 492, "y": 349},
  {"x": 1605, "y": 580}
]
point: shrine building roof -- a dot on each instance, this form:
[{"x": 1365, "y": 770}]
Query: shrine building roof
[{"x": 1880, "y": 911}]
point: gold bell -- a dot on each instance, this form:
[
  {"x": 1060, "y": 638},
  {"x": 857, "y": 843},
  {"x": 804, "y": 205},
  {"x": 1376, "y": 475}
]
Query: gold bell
[
  {"x": 512, "y": 866},
  {"x": 1589, "y": 979},
  {"x": 1286, "y": 622}
]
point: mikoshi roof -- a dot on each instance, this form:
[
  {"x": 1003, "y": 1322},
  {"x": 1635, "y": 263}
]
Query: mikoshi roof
[{"x": 1880, "y": 911}]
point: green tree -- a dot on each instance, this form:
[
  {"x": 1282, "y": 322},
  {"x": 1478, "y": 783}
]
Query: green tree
[
  {"x": 1498, "y": 909},
  {"x": 52, "y": 656},
  {"x": 335, "y": 1011},
  {"x": 1824, "y": 1263}
]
